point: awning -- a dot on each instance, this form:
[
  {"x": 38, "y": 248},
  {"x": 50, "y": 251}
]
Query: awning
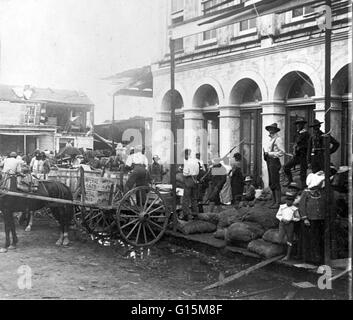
[{"x": 136, "y": 82}]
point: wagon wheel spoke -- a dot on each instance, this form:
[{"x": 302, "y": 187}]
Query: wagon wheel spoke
[
  {"x": 155, "y": 224},
  {"x": 129, "y": 223},
  {"x": 149, "y": 227},
  {"x": 144, "y": 233},
  {"x": 154, "y": 210},
  {"x": 132, "y": 230},
  {"x": 146, "y": 202},
  {"x": 153, "y": 202},
  {"x": 138, "y": 233},
  {"x": 129, "y": 208},
  {"x": 140, "y": 199}
]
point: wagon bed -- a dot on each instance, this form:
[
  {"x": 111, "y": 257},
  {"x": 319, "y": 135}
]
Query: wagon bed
[{"x": 139, "y": 217}]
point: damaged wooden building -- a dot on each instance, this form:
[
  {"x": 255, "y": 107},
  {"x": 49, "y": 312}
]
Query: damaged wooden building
[{"x": 45, "y": 119}]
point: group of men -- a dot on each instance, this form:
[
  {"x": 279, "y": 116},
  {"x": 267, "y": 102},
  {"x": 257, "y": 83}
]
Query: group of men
[
  {"x": 39, "y": 164},
  {"x": 308, "y": 151}
]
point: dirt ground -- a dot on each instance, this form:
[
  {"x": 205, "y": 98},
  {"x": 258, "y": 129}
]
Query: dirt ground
[{"x": 89, "y": 270}]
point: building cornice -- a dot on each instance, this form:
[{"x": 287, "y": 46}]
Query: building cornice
[{"x": 246, "y": 55}]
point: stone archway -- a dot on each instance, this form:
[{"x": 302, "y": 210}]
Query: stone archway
[
  {"x": 245, "y": 91},
  {"x": 294, "y": 85},
  {"x": 205, "y": 96}
]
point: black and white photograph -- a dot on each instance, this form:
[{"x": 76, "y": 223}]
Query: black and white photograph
[{"x": 189, "y": 152}]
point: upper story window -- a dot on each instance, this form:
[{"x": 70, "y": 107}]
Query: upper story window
[
  {"x": 247, "y": 25},
  {"x": 209, "y": 36},
  {"x": 298, "y": 13},
  {"x": 30, "y": 117},
  {"x": 177, "y": 11},
  {"x": 215, "y": 5}
]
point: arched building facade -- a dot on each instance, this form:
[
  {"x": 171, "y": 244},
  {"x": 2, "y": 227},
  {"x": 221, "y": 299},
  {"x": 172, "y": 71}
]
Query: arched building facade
[{"x": 230, "y": 89}]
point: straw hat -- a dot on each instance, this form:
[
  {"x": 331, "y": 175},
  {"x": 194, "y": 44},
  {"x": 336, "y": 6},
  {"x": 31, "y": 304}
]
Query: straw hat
[
  {"x": 248, "y": 178},
  {"x": 156, "y": 157},
  {"x": 315, "y": 180}
]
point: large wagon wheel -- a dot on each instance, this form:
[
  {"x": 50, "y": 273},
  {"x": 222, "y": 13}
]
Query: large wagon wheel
[{"x": 142, "y": 216}]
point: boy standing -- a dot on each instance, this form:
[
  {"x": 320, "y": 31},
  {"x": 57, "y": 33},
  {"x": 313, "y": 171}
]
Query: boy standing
[{"x": 288, "y": 214}]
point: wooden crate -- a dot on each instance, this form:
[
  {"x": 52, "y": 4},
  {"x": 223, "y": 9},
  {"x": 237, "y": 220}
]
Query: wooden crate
[{"x": 97, "y": 188}]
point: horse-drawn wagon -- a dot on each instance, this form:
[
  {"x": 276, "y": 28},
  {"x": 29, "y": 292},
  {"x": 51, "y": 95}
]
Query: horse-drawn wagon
[{"x": 106, "y": 210}]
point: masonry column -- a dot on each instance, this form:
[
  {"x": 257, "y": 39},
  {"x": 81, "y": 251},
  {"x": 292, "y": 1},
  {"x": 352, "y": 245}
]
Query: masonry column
[
  {"x": 272, "y": 112},
  {"x": 336, "y": 122},
  {"x": 162, "y": 135},
  {"x": 229, "y": 124},
  {"x": 195, "y": 136}
]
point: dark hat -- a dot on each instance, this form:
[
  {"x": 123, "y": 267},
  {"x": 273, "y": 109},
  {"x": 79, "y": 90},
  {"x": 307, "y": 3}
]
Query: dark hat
[
  {"x": 300, "y": 120},
  {"x": 316, "y": 123},
  {"x": 273, "y": 126},
  {"x": 290, "y": 195}
]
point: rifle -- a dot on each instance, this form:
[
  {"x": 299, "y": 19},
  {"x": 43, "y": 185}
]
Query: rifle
[{"x": 222, "y": 159}]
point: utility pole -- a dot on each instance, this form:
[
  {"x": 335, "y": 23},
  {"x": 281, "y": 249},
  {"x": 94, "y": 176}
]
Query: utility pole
[
  {"x": 113, "y": 120},
  {"x": 173, "y": 129},
  {"x": 328, "y": 216}
]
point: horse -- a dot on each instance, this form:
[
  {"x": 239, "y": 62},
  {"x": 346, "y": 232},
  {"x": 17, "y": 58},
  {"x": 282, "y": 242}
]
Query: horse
[{"x": 63, "y": 213}]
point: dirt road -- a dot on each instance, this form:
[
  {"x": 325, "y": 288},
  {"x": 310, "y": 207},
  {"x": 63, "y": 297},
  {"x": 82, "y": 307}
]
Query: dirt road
[{"x": 88, "y": 270}]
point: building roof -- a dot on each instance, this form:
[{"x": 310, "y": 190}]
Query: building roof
[
  {"x": 133, "y": 82},
  {"x": 34, "y": 94}
]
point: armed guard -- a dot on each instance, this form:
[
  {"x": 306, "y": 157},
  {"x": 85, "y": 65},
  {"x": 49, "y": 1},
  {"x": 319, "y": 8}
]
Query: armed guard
[
  {"x": 316, "y": 149},
  {"x": 300, "y": 150}
]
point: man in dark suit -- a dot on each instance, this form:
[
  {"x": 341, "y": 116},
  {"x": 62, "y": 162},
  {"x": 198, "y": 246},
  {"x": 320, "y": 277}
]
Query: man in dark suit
[
  {"x": 316, "y": 148},
  {"x": 300, "y": 150}
]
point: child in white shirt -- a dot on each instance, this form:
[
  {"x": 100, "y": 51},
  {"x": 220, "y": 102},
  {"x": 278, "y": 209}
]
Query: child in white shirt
[{"x": 288, "y": 214}]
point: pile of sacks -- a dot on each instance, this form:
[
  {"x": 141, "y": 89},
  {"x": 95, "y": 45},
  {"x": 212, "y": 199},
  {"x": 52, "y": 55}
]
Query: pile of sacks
[{"x": 253, "y": 228}]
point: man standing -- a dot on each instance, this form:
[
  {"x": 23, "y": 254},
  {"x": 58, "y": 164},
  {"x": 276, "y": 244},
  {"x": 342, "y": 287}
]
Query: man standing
[
  {"x": 190, "y": 172},
  {"x": 138, "y": 163},
  {"x": 316, "y": 149},
  {"x": 156, "y": 170},
  {"x": 300, "y": 150},
  {"x": 272, "y": 154}
]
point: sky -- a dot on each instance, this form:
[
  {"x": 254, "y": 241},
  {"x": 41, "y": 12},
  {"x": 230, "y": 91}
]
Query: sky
[{"x": 73, "y": 44}]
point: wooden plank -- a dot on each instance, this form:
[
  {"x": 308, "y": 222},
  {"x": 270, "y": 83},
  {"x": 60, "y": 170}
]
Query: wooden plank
[
  {"x": 56, "y": 200},
  {"x": 243, "y": 273}
]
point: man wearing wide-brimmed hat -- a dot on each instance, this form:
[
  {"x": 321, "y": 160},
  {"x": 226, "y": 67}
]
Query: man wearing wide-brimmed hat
[
  {"x": 272, "y": 154},
  {"x": 300, "y": 150},
  {"x": 316, "y": 147}
]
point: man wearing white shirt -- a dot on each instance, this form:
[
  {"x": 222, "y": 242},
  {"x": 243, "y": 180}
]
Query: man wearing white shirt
[
  {"x": 138, "y": 163},
  {"x": 11, "y": 166},
  {"x": 190, "y": 172},
  {"x": 272, "y": 155}
]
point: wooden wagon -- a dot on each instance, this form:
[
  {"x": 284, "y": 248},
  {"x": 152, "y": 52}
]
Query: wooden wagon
[{"x": 139, "y": 216}]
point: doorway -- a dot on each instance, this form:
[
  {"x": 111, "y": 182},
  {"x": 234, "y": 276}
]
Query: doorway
[{"x": 251, "y": 148}]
